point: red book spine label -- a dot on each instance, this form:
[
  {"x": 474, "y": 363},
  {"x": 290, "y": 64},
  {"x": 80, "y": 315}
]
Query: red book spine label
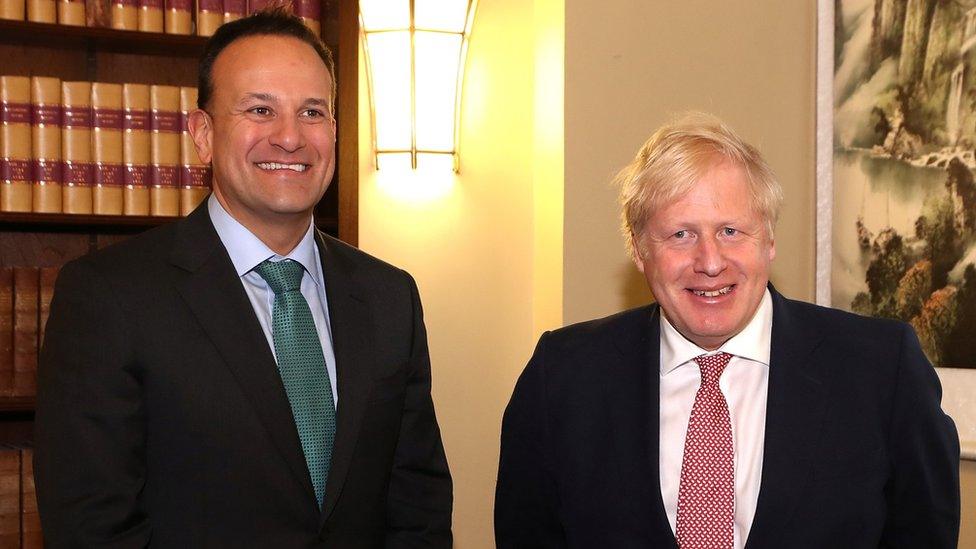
[
  {"x": 184, "y": 122},
  {"x": 15, "y": 113},
  {"x": 76, "y": 174},
  {"x": 14, "y": 170},
  {"x": 195, "y": 176},
  {"x": 47, "y": 115},
  {"x": 165, "y": 176},
  {"x": 136, "y": 120},
  {"x": 151, "y": 4},
  {"x": 165, "y": 121},
  {"x": 235, "y": 7},
  {"x": 110, "y": 119},
  {"x": 254, "y": 6},
  {"x": 211, "y": 5},
  {"x": 76, "y": 117},
  {"x": 136, "y": 176},
  {"x": 110, "y": 175},
  {"x": 179, "y": 5},
  {"x": 47, "y": 170},
  {"x": 309, "y": 9}
]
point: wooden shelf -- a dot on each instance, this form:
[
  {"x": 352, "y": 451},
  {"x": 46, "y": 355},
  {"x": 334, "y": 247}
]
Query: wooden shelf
[
  {"x": 101, "y": 39},
  {"x": 13, "y": 220},
  {"x": 17, "y": 404}
]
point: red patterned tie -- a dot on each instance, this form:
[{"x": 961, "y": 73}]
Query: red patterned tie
[{"x": 706, "y": 495}]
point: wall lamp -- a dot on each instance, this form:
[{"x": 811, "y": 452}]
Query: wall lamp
[{"x": 415, "y": 52}]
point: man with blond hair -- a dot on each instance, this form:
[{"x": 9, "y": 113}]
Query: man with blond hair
[{"x": 724, "y": 415}]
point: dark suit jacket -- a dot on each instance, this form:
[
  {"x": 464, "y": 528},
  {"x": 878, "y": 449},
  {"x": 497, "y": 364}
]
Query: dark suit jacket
[
  {"x": 858, "y": 452},
  {"x": 162, "y": 421}
]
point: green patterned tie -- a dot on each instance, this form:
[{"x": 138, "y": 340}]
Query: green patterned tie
[{"x": 302, "y": 368}]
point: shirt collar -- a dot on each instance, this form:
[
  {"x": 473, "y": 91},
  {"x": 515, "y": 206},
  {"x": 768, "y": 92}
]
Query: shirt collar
[
  {"x": 247, "y": 251},
  {"x": 752, "y": 342}
]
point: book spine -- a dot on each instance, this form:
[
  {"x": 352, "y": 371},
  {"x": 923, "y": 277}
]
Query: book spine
[
  {"x": 46, "y": 144},
  {"x": 47, "y": 277},
  {"x": 125, "y": 14},
  {"x": 76, "y": 136},
  {"x": 254, "y": 6},
  {"x": 234, "y": 10},
  {"x": 10, "y": 472},
  {"x": 31, "y": 537},
  {"x": 194, "y": 174},
  {"x": 310, "y": 11},
  {"x": 164, "y": 194},
  {"x": 210, "y": 15},
  {"x": 151, "y": 15},
  {"x": 108, "y": 178},
  {"x": 12, "y": 9},
  {"x": 25, "y": 331},
  {"x": 135, "y": 149},
  {"x": 72, "y": 13},
  {"x": 6, "y": 332},
  {"x": 178, "y": 17},
  {"x": 15, "y": 144},
  {"x": 42, "y": 11},
  {"x": 98, "y": 13}
]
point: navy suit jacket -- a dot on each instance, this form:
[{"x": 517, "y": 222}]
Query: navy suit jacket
[{"x": 858, "y": 452}]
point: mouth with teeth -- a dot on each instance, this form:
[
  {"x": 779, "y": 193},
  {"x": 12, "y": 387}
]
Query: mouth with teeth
[
  {"x": 276, "y": 166},
  {"x": 713, "y": 293}
]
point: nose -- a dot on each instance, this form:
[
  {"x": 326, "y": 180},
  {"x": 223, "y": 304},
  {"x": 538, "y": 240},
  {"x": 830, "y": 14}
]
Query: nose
[
  {"x": 709, "y": 259},
  {"x": 287, "y": 133}
]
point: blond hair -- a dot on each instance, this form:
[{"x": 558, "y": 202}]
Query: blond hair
[{"x": 669, "y": 164}]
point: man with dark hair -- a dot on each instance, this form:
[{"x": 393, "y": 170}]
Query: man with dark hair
[{"x": 237, "y": 378}]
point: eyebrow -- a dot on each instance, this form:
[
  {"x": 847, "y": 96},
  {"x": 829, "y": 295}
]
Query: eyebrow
[{"x": 271, "y": 98}]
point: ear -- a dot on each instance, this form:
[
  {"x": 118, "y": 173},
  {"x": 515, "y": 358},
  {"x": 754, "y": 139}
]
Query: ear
[
  {"x": 772, "y": 249},
  {"x": 635, "y": 255},
  {"x": 201, "y": 130}
]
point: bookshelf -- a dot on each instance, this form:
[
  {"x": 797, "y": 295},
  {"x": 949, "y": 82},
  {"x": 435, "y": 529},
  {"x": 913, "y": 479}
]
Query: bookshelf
[{"x": 109, "y": 55}]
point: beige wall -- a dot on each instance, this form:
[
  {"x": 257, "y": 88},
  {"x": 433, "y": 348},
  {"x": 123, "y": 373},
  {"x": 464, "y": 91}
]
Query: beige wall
[
  {"x": 630, "y": 66},
  {"x": 967, "y": 536},
  {"x": 476, "y": 242}
]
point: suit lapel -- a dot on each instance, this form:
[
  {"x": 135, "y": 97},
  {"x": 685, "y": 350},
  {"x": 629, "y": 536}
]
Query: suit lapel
[
  {"x": 794, "y": 412},
  {"x": 213, "y": 291},
  {"x": 351, "y": 321},
  {"x": 634, "y": 397}
]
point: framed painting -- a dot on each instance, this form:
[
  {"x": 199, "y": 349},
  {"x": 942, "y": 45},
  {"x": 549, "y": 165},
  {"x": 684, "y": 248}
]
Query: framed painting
[{"x": 896, "y": 174}]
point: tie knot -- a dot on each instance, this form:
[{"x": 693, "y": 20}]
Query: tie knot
[
  {"x": 283, "y": 276},
  {"x": 712, "y": 366}
]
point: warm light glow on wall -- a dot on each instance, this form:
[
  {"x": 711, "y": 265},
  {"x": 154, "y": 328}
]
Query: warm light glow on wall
[{"x": 415, "y": 52}]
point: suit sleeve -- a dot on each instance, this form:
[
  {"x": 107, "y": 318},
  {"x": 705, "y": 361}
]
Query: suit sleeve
[
  {"x": 89, "y": 426},
  {"x": 526, "y": 500},
  {"x": 923, "y": 489},
  {"x": 420, "y": 497}
]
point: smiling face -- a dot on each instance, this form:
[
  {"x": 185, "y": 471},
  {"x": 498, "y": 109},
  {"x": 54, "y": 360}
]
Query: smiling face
[
  {"x": 706, "y": 257},
  {"x": 269, "y": 134}
]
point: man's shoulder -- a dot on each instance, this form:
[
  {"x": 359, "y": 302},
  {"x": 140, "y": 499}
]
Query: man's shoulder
[
  {"x": 132, "y": 256},
  {"x": 836, "y": 323},
  {"x": 621, "y": 329},
  {"x": 367, "y": 269}
]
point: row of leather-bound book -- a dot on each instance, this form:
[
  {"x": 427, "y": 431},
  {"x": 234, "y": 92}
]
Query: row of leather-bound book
[
  {"x": 25, "y": 302},
  {"x": 97, "y": 148},
  {"x": 20, "y": 525},
  {"x": 201, "y": 17}
]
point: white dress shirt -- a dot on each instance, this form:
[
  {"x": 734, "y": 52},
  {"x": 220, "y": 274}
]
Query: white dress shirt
[
  {"x": 247, "y": 252},
  {"x": 744, "y": 384}
]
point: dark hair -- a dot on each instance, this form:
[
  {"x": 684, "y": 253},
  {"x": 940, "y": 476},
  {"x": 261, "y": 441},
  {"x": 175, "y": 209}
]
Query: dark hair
[{"x": 275, "y": 20}]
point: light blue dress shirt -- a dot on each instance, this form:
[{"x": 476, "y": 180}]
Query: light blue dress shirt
[{"x": 247, "y": 252}]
